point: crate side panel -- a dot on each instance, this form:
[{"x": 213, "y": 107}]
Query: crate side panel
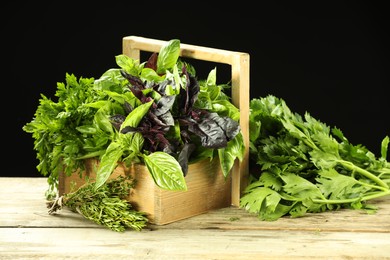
[{"x": 207, "y": 189}]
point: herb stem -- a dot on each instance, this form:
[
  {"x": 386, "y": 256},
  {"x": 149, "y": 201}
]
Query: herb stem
[
  {"x": 346, "y": 201},
  {"x": 364, "y": 172},
  {"x": 384, "y": 171},
  {"x": 372, "y": 186}
]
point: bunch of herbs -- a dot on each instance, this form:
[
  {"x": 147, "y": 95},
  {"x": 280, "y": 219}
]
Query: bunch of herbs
[
  {"x": 107, "y": 206},
  {"x": 304, "y": 166},
  {"x": 156, "y": 112}
]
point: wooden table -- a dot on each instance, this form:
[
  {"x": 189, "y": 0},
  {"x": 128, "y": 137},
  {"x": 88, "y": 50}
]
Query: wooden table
[{"x": 29, "y": 232}]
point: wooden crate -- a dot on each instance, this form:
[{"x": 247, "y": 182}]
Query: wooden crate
[{"x": 207, "y": 187}]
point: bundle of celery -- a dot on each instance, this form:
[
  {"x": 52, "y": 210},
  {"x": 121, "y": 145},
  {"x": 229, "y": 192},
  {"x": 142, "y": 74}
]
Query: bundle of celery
[{"x": 304, "y": 166}]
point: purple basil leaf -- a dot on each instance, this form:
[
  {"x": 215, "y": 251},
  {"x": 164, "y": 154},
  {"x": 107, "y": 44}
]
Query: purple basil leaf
[
  {"x": 167, "y": 118},
  {"x": 140, "y": 95},
  {"x": 152, "y": 61},
  {"x": 135, "y": 81},
  {"x": 230, "y": 127},
  {"x": 164, "y": 105},
  {"x": 215, "y": 131},
  {"x": 189, "y": 95},
  {"x": 163, "y": 120},
  {"x": 184, "y": 156},
  {"x": 194, "y": 89},
  {"x": 129, "y": 129},
  {"x": 211, "y": 135}
]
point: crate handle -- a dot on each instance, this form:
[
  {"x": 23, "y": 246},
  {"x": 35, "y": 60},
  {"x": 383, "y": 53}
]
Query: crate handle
[{"x": 239, "y": 62}]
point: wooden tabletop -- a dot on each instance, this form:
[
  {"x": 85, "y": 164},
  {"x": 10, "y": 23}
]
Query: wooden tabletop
[{"x": 29, "y": 232}]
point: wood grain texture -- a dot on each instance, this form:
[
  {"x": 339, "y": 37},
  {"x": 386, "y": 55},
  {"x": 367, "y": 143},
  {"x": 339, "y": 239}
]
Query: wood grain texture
[
  {"x": 207, "y": 189},
  {"x": 28, "y": 232}
]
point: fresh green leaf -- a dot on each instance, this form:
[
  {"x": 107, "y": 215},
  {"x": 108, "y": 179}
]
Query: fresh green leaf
[
  {"x": 108, "y": 163},
  {"x": 136, "y": 115},
  {"x": 265, "y": 202},
  {"x": 128, "y": 64},
  {"x": 347, "y": 187},
  {"x": 168, "y": 56},
  {"x": 166, "y": 171},
  {"x": 384, "y": 147},
  {"x": 228, "y": 155},
  {"x": 151, "y": 75},
  {"x": 299, "y": 187}
]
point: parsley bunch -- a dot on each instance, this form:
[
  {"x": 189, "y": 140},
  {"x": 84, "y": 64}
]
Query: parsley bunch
[{"x": 306, "y": 166}]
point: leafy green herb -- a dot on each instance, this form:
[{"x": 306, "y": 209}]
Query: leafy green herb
[
  {"x": 107, "y": 206},
  {"x": 60, "y": 129},
  {"x": 305, "y": 166}
]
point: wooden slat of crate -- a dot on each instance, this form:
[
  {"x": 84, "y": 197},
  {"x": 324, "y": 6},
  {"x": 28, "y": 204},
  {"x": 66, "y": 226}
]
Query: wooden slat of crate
[{"x": 239, "y": 61}]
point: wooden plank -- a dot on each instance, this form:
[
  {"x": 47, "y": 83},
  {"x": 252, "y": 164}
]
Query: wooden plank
[
  {"x": 20, "y": 208},
  {"x": 61, "y": 243},
  {"x": 336, "y": 221},
  {"x": 23, "y": 204},
  {"x": 28, "y": 232},
  {"x": 132, "y": 45},
  {"x": 240, "y": 98}
]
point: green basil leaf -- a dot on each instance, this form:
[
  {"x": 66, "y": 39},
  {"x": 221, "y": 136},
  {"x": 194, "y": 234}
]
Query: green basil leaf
[
  {"x": 136, "y": 115},
  {"x": 168, "y": 56},
  {"x": 212, "y": 78},
  {"x": 234, "y": 149},
  {"x": 166, "y": 171},
  {"x": 150, "y": 75},
  {"x": 108, "y": 162},
  {"x": 102, "y": 120},
  {"x": 127, "y": 64}
]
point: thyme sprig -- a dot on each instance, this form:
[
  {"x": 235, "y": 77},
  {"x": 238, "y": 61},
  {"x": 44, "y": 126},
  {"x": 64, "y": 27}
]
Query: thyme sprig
[{"x": 106, "y": 206}]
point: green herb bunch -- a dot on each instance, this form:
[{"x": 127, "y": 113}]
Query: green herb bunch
[
  {"x": 305, "y": 166},
  {"x": 107, "y": 206}
]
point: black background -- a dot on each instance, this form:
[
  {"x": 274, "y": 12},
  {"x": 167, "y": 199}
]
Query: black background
[{"x": 329, "y": 60}]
